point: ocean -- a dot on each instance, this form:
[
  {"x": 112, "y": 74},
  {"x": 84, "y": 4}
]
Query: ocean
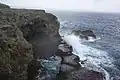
[{"x": 102, "y": 54}]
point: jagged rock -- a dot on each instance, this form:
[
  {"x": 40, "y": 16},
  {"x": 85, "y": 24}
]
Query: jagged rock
[
  {"x": 66, "y": 68},
  {"x": 70, "y": 63},
  {"x": 63, "y": 42},
  {"x": 89, "y": 33},
  {"x": 85, "y": 34},
  {"x": 61, "y": 53},
  {"x": 15, "y": 53},
  {"x": 84, "y": 74},
  {"x": 73, "y": 60},
  {"x": 19, "y": 28},
  {"x": 80, "y": 74},
  {"x": 71, "y": 70},
  {"x": 65, "y": 48}
]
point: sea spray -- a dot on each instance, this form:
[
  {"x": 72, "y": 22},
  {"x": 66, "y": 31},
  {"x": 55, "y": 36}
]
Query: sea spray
[
  {"x": 106, "y": 50},
  {"x": 94, "y": 57}
]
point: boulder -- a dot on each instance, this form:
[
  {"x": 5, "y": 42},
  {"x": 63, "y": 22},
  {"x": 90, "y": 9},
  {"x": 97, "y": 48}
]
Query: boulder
[
  {"x": 80, "y": 74},
  {"x": 84, "y": 74},
  {"x": 72, "y": 60},
  {"x": 67, "y": 68},
  {"x": 70, "y": 63},
  {"x": 71, "y": 70},
  {"x": 65, "y": 48},
  {"x": 61, "y": 53},
  {"x": 89, "y": 33},
  {"x": 84, "y": 34}
]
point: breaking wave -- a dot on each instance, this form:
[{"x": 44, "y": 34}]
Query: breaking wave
[{"x": 94, "y": 58}]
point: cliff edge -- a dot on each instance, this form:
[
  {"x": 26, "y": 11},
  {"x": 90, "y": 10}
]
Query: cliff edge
[
  {"x": 31, "y": 48},
  {"x": 4, "y": 6},
  {"x": 19, "y": 30}
]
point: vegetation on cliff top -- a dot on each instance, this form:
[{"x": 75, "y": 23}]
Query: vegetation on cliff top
[{"x": 4, "y": 6}]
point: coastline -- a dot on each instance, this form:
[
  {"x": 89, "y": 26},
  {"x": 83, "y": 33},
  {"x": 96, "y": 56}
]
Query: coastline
[
  {"x": 17, "y": 29},
  {"x": 29, "y": 48}
]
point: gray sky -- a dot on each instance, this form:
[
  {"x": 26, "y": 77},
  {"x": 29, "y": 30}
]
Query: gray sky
[{"x": 84, "y": 5}]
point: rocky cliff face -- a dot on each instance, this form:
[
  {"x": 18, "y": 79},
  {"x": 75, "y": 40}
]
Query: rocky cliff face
[
  {"x": 4, "y": 6},
  {"x": 19, "y": 30},
  {"x": 30, "y": 48}
]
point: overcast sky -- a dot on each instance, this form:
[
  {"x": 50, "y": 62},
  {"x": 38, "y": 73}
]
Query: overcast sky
[{"x": 84, "y": 5}]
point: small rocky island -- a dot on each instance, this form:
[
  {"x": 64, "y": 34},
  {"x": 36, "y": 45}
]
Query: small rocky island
[{"x": 31, "y": 48}]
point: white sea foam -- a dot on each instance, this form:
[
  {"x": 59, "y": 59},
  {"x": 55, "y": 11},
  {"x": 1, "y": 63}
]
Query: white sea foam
[
  {"x": 94, "y": 57},
  {"x": 91, "y": 39},
  {"x": 87, "y": 52}
]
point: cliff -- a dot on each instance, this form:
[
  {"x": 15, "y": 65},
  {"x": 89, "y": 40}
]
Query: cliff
[
  {"x": 31, "y": 48},
  {"x": 4, "y": 6},
  {"x": 22, "y": 36}
]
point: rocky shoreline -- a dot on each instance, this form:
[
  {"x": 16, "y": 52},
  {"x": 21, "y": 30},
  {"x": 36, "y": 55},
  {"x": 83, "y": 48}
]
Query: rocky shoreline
[
  {"x": 31, "y": 48},
  {"x": 65, "y": 67}
]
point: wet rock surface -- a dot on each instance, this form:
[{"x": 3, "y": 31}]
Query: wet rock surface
[
  {"x": 89, "y": 33},
  {"x": 67, "y": 67},
  {"x": 72, "y": 70},
  {"x": 63, "y": 67},
  {"x": 81, "y": 74},
  {"x": 85, "y": 34},
  {"x": 70, "y": 63},
  {"x": 73, "y": 60}
]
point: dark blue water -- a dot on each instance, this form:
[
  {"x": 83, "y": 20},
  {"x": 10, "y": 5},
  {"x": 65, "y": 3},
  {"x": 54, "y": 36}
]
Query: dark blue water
[{"x": 104, "y": 25}]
